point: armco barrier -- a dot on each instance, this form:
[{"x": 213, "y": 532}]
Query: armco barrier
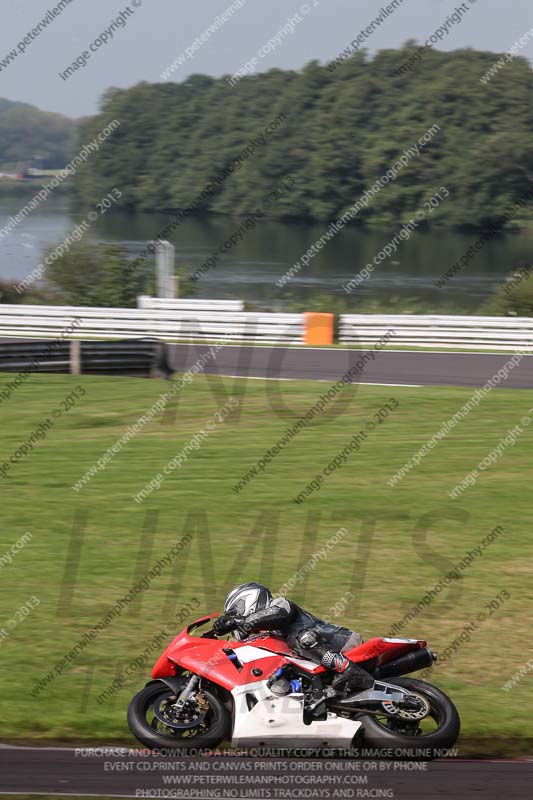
[
  {"x": 171, "y": 325},
  {"x": 27, "y": 321},
  {"x": 132, "y": 357},
  {"x": 20, "y": 355},
  {"x": 188, "y": 304},
  {"x": 413, "y": 330},
  {"x": 161, "y": 319}
]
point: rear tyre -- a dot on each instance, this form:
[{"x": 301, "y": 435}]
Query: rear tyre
[
  {"x": 156, "y": 700},
  {"x": 429, "y": 738}
]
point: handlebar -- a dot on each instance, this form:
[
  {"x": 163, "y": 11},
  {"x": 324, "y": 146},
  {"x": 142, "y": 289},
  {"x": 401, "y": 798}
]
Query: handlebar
[{"x": 198, "y": 624}]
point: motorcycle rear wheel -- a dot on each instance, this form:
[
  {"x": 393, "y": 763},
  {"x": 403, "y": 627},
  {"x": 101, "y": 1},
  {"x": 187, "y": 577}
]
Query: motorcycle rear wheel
[
  {"x": 150, "y": 731},
  {"x": 410, "y": 740}
]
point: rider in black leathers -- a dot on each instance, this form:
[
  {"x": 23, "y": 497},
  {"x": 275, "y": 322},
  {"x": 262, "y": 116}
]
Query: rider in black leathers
[{"x": 251, "y": 607}]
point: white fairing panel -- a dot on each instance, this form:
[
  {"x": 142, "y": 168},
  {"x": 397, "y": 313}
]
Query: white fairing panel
[
  {"x": 304, "y": 663},
  {"x": 278, "y": 722},
  {"x": 246, "y": 653},
  {"x": 403, "y": 641}
]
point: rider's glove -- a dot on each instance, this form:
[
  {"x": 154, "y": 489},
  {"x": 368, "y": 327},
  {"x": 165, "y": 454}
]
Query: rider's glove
[
  {"x": 225, "y": 624},
  {"x": 335, "y": 661}
]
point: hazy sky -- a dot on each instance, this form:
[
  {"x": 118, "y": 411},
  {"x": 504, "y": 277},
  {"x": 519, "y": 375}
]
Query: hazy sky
[{"x": 155, "y": 32}]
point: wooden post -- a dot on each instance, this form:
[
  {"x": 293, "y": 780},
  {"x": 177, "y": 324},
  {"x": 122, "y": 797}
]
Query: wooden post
[{"x": 75, "y": 357}]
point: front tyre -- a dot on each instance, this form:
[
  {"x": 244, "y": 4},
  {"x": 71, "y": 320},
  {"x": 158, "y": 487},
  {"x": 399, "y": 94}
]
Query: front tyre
[
  {"x": 151, "y": 719},
  {"x": 411, "y": 737}
]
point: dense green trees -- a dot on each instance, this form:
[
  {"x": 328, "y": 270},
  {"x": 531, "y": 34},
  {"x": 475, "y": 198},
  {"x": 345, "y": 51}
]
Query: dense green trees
[
  {"x": 342, "y": 131},
  {"x": 515, "y": 297},
  {"x": 91, "y": 275},
  {"x": 26, "y": 132}
]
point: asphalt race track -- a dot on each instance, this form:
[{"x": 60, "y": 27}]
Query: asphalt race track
[
  {"x": 393, "y": 367},
  {"x": 64, "y": 771}
]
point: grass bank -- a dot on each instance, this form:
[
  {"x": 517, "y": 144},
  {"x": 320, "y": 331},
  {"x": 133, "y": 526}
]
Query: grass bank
[{"x": 89, "y": 547}]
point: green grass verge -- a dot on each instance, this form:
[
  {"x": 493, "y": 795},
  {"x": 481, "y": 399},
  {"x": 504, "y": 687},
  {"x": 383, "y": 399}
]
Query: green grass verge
[{"x": 399, "y": 545}]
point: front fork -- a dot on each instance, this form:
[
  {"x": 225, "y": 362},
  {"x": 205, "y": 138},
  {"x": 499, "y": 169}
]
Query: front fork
[{"x": 186, "y": 692}]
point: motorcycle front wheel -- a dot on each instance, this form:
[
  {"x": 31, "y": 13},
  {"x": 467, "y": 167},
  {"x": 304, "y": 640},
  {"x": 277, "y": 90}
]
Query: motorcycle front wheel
[
  {"x": 153, "y": 721},
  {"x": 411, "y": 737}
]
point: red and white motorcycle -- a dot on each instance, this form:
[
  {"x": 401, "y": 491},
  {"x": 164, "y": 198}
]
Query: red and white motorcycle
[{"x": 258, "y": 693}]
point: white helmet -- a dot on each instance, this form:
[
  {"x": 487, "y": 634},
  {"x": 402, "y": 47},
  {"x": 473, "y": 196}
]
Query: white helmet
[{"x": 247, "y": 598}]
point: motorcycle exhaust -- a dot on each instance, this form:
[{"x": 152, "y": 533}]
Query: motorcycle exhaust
[{"x": 410, "y": 662}]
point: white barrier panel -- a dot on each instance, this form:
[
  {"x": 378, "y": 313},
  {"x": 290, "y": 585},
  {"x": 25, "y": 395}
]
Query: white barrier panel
[
  {"x": 71, "y": 322},
  {"x": 188, "y": 303},
  {"x": 465, "y": 333}
]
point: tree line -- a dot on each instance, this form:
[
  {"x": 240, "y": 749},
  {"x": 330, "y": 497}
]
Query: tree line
[
  {"x": 342, "y": 130},
  {"x": 26, "y": 133}
]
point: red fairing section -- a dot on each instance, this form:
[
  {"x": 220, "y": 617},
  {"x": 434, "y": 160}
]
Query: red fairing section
[
  {"x": 165, "y": 666},
  {"x": 206, "y": 657},
  {"x": 274, "y": 643},
  {"x": 384, "y": 650},
  {"x": 213, "y": 663}
]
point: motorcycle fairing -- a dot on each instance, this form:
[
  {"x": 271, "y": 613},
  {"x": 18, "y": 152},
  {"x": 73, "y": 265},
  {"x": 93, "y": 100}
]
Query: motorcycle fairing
[
  {"x": 262, "y": 719},
  {"x": 213, "y": 663},
  {"x": 383, "y": 649},
  {"x": 214, "y": 660}
]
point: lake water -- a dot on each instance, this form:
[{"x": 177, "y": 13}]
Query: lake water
[{"x": 250, "y": 269}]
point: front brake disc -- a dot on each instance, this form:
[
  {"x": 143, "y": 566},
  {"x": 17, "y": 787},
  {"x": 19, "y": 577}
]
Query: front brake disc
[{"x": 188, "y": 717}]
